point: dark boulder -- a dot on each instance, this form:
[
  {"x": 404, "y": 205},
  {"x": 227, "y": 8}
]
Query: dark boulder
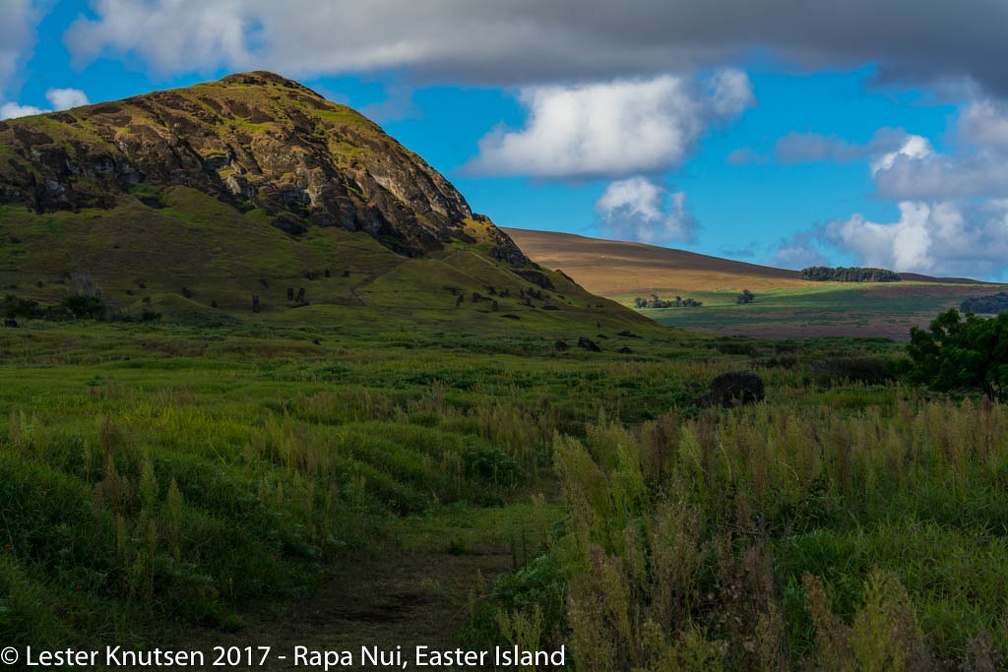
[
  {"x": 588, "y": 344},
  {"x": 735, "y": 387}
]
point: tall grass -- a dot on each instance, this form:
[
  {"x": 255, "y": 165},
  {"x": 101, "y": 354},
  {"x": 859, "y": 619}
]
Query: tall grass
[
  {"x": 841, "y": 524},
  {"x": 771, "y": 538}
]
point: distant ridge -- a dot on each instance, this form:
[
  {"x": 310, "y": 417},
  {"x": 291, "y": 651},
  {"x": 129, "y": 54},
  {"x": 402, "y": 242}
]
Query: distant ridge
[{"x": 617, "y": 268}]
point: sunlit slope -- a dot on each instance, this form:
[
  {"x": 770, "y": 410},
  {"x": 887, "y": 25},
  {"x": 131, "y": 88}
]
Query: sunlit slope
[{"x": 785, "y": 305}]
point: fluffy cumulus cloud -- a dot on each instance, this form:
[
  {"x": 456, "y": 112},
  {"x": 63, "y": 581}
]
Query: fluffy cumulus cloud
[
  {"x": 64, "y": 99},
  {"x": 943, "y": 238},
  {"x": 913, "y": 148},
  {"x": 975, "y": 167},
  {"x": 612, "y": 129},
  {"x": 527, "y": 41},
  {"x": 641, "y": 210},
  {"x": 953, "y": 204},
  {"x": 12, "y": 110},
  {"x": 60, "y": 99}
]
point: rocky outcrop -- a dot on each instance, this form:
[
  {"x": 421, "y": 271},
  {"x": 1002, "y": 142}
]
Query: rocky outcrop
[{"x": 252, "y": 140}]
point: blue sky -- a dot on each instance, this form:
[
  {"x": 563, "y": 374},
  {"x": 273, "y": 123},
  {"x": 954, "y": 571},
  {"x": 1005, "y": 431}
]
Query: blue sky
[{"x": 834, "y": 132}]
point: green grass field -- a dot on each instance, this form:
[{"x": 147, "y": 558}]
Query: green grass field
[
  {"x": 172, "y": 485},
  {"x": 819, "y": 309}
]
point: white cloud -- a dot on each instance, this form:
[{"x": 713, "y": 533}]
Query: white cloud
[
  {"x": 638, "y": 209},
  {"x": 12, "y": 110},
  {"x": 985, "y": 124},
  {"x": 731, "y": 93},
  {"x": 942, "y": 238},
  {"x": 914, "y": 148},
  {"x": 611, "y": 129},
  {"x": 64, "y": 99},
  {"x": 17, "y": 35},
  {"x": 174, "y": 35},
  {"x": 976, "y": 166},
  {"x": 60, "y": 99}
]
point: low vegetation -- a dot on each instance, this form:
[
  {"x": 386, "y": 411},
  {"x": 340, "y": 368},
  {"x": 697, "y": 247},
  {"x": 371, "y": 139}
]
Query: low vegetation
[
  {"x": 158, "y": 479},
  {"x": 960, "y": 352}
]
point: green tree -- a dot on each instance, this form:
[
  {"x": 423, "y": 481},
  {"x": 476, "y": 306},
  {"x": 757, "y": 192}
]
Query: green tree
[{"x": 958, "y": 351}]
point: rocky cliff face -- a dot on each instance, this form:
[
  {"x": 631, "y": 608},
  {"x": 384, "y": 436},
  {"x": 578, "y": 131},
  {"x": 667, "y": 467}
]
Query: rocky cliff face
[{"x": 253, "y": 140}]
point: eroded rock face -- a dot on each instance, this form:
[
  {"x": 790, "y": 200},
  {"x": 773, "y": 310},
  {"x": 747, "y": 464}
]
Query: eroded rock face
[
  {"x": 251, "y": 140},
  {"x": 735, "y": 387}
]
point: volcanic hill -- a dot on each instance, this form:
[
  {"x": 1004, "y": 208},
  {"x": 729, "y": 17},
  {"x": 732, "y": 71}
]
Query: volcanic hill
[{"x": 191, "y": 201}]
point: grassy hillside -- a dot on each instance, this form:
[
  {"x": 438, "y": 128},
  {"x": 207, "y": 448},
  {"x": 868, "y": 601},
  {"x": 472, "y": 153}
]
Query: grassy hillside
[
  {"x": 786, "y": 306},
  {"x": 200, "y": 261}
]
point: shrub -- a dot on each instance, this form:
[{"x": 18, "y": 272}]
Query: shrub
[{"x": 957, "y": 352}]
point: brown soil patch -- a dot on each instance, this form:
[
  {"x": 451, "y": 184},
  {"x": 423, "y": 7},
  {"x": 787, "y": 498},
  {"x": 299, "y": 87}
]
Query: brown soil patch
[{"x": 387, "y": 599}]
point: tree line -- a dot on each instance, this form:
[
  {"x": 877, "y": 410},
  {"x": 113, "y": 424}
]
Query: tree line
[
  {"x": 852, "y": 274},
  {"x": 990, "y": 305},
  {"x": 656, "y": 302}
]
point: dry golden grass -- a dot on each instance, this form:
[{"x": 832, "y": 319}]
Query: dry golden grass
[
  {"x": 613, "y": 268},
  {"x": 616, "y": 268}
]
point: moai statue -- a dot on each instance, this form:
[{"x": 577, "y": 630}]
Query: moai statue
[
  {"x": 255, "y": 303},
  {"x": 290, "y": 293},
  {"x": 300, "y": 298}
]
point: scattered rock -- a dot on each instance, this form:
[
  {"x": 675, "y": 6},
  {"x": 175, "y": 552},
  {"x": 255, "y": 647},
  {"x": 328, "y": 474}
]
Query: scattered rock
[
  {"x": 588, "y": 344},
  {"x": 561, "y": 346},
  {"x": 10, "y": 322},
  {"x": 625, "y": 351}
]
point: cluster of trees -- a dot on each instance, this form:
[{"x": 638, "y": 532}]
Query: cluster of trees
[
  {"x": 959, "y": 352},
  {"x": 991, "y": 305},
  {"x": 656, "y": 302},
  {"x": 853, "y": 274},
  {"x": 745, "y": 297}
]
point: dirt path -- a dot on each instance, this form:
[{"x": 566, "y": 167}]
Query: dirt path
[{"x": 388, "y": 599}]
